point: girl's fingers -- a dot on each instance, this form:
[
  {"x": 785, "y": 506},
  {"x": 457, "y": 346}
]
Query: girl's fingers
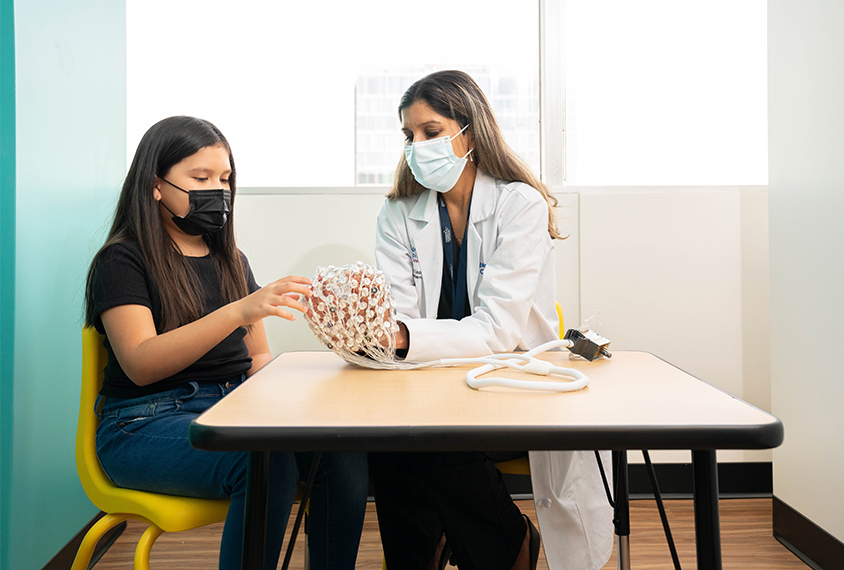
[
  {"x": 294, "y": 279},
  {"x": 297, "y": 288},
  {"x": 279, "y": 312},
  {"x": 284, "y": 300}
]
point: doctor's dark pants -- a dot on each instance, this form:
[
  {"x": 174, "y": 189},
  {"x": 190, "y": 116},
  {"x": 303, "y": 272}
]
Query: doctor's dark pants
[{"x": 420, "y": 496}]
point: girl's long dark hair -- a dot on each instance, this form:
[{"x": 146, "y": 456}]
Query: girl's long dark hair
[{"x": 137, "y": 219}]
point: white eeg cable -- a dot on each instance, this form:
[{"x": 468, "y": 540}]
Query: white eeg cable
[{"x": 523, "y": 363}]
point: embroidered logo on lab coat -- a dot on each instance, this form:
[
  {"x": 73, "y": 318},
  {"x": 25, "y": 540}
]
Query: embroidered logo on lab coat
[
  {"x": 482, "y": 267},
  {"x": 417, "y": 272}
]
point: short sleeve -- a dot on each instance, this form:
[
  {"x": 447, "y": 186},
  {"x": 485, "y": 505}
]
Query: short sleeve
[{"x": 120, "y": 278}]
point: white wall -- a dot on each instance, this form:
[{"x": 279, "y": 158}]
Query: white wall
[
  {"x": 292, "y": 234},
  {"x": 680, "y": 272},
  {"x": 806, "y": 150}
]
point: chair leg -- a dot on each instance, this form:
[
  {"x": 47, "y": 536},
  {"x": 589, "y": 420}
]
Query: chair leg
[
  {"x": 144, "y": 548},
  {"x": 92, "y": 537}
]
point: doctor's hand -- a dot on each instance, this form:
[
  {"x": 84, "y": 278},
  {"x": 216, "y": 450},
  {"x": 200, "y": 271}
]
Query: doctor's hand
[{"x": 402, "y": 337}]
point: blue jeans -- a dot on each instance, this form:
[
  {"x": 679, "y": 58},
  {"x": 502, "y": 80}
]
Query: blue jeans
[{"x": 143, "y": 444}]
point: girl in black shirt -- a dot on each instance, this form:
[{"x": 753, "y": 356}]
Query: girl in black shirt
[{"x": 183, "y": 320}]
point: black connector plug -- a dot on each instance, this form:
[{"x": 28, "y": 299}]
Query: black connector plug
[{"x": 589, "y": 345}]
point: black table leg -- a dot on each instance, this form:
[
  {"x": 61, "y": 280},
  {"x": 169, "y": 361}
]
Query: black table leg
[
  {"x": 707, "y": 524},
  {"x": 621, "y": 513},
  {"x": 255, "y": 511}
]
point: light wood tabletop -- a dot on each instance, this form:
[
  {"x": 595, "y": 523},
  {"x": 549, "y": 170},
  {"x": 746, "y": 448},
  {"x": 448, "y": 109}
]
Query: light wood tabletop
[{"x": 315, "y": 401}]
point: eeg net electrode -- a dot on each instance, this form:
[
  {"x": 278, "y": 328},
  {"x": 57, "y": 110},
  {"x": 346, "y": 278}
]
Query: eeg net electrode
[{"x": 351, "y": 312}]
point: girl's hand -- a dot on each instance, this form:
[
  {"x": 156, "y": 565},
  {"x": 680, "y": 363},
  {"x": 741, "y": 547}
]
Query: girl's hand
[{"x": 269, "y": 300}]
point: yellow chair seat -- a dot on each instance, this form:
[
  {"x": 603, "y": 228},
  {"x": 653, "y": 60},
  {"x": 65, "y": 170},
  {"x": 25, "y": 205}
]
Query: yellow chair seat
[{"x": 520, "y": 466}]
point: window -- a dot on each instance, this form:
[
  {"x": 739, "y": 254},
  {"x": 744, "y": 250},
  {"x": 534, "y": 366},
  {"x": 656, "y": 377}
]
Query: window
[
  {"x": 660, "y": 92},
  {"x": 307, "y": 92},
  {"x": 657, "y": 92}
]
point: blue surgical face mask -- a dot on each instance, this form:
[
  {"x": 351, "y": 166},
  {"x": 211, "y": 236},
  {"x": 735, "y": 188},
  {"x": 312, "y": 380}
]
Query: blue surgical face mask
[{"x": 434, "y": 164}]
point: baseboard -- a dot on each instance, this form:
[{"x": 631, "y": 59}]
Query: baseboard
[
  {"x": 63, "y": 559},
  {"x": 809, "y": 542},
  {"x": 735, "y": 480},
  {"x": 675, "y": 480}
]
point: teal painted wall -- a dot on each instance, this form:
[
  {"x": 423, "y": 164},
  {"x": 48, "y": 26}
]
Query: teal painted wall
[
  {"x": 70, "y": 160},
  {"x": 7, "y": 262}
]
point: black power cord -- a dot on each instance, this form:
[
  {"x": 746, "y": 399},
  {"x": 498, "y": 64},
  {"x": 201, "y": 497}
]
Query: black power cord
[
  {"x": 604, "y": 478},
  {"x": 658, "y": 497}
]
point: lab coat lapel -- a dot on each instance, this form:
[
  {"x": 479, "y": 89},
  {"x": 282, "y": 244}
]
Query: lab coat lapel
[
  {"x": 483, "y": 205},
  {"x": 429, "y": 251}
]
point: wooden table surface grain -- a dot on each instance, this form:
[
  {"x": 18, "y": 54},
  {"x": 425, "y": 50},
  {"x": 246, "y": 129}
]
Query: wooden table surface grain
[{"x": 632, "y": 393}]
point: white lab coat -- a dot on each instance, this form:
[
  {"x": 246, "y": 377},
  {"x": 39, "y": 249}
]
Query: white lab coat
[{"x": 511, "y": 287}]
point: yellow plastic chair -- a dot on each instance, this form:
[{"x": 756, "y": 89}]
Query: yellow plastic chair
[
  {"x": 163, "y": 513},
  {"x": 560, "y": 316}
]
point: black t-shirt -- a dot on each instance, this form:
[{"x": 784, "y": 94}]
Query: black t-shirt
[{"x": 122, "y": 277}]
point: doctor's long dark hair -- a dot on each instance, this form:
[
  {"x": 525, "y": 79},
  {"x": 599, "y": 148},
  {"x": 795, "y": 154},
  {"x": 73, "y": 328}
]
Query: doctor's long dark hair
[
  {"x": 137, "y": 219},
  {"x": 455, "y": 95}
]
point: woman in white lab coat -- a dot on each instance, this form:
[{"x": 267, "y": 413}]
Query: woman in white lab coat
[{"x": 465, "y": 240}]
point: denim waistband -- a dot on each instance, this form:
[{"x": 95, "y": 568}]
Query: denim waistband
[{"x": 118, "y": 407}]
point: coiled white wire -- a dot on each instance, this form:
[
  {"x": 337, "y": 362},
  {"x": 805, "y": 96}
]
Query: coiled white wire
[{"x": 523, "y": 363}]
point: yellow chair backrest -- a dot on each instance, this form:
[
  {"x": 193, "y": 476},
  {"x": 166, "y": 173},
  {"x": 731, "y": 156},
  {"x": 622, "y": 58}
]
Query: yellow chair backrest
[
  {"x": 91, "y": 473},
  {"x": 559, "y": 307}
]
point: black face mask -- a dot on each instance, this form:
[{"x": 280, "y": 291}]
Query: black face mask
[{"x": 209, "y": 211}]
